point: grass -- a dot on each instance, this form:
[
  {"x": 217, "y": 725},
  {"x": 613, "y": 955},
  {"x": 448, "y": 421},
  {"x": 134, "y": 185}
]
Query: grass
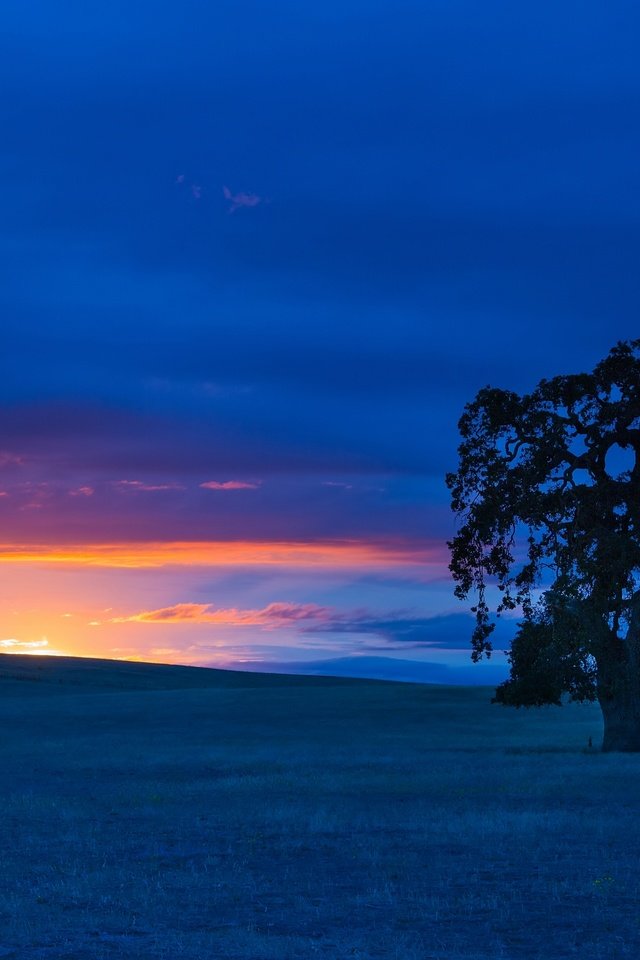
[{"x": 160, "y": 812}]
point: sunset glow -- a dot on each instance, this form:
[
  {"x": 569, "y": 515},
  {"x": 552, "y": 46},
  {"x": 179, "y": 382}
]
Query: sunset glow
[{"x": 227, "y": 554}]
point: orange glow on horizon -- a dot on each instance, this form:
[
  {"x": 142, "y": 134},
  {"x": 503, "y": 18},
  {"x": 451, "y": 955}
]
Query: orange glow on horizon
[
  {"x": 90, "y": 599},
  {"x": 346, "y": 553}
]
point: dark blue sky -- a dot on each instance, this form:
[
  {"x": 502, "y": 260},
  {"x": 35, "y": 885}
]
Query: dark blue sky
[{"x": 444, "y": 195}]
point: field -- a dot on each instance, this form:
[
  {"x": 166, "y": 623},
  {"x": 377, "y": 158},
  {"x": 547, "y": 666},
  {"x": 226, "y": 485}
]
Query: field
[{"x": 162, "y": 812}]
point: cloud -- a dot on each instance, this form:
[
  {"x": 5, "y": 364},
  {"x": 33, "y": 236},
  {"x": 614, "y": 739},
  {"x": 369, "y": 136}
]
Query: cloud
[
  {"x": 450, "y": 631},
  {"x": 274, "y": 615},
  {"x": 38, "y": 493},
  {"x": 82, "y": 492},
  {"x": 229, "y": 485},
  {"x": 392, "y": 629},
  {"x": 140, "y": 486},
  {"x": 238, "y": 200},
  {"x": 11, "y": 645}
]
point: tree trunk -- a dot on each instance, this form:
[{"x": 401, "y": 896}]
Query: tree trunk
[
  {"x": 621, "y": 713},
  {"x": 619, "y": 687}
]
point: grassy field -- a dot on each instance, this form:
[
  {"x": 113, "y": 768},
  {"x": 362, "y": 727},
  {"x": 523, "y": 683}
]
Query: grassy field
[{"x": 162, "y": 812}]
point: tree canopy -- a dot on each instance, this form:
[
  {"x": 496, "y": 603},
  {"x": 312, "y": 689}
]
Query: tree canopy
[{"x": 547, "y": 493}]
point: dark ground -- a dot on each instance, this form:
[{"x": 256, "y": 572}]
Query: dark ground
[{"x": 166, "y": 812}]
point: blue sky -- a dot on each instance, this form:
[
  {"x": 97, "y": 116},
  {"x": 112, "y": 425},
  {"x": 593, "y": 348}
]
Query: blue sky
[{"x": 432, "y": 197}]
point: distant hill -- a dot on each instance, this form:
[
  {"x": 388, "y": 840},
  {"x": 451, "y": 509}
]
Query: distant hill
[
  {"x": 391, "y": 668},
  {"x": 33, "y": 674}
]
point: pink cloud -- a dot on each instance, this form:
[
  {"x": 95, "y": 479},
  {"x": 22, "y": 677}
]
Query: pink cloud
[
  {"x": 238, "y": 200},
  {"x": 39, "y": 494},
  {"x": 395, "y": 628},
  {"x": 229, "y": 485},
  {"x": 274, "y": 615},
  {"x": 82, "y": 492}
]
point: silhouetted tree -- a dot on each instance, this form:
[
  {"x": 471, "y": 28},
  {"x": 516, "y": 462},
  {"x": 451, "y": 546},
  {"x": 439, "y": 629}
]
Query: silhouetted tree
[{"x": 543, "y": 495}]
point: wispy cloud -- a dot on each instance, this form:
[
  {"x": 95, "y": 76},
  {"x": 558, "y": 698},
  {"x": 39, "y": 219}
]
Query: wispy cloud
[
  {"x": 141, "y": 487},
  {"x": 391, "y": 629},
  {"x": 82, "y": 492},
  {"x": 238, "y": 200},
  {"x": 229, "y": 485},
  {"x": 409, "y": 630},
  {"x": 12, "y": 645},
  {"x": 274, "y": 615},
  {"x": 195, "y": 188}
]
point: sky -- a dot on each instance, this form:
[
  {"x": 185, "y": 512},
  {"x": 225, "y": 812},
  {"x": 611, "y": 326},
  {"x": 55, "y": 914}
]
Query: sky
[{"x": 256, "y": 257}]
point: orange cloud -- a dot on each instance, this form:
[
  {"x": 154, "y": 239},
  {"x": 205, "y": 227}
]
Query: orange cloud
[
  {"x": 343, "y": 554},
  {"x": 274, "y": 615}
]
